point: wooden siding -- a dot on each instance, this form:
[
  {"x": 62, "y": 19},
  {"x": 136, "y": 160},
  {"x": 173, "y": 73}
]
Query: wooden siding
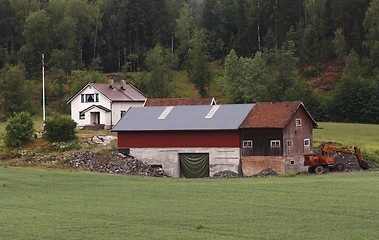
[
  {"x": 261, "y": 138},
  {"x": 297, "y": 134},
  {"x": 170, "y": 139}
]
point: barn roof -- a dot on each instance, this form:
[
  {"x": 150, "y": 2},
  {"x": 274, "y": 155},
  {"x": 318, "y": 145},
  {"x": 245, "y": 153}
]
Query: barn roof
[
  {"x": 273, "y": 115},
  {"x": 205, "y": 117},
  {"x": 179, "y": 101}
]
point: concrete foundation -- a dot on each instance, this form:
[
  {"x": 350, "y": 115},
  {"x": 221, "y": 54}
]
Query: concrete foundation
[
  {"x": 220, "y": 159},
  {"x": 254, "y": 164}
]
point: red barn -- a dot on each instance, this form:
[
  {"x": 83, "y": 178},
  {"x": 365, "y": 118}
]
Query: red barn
[{"x": 198, "y": 141}]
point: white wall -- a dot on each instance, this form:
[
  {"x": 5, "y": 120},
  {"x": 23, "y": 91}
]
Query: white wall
[
  {"x": 109, "y": 119},
  {"x": 117, "y": 107},
  {"x": 220, "y": 159},
  {"x": 77, "y": 106}
]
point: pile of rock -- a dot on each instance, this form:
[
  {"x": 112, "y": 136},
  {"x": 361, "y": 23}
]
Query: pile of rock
[
  {"x": 349, "y": 161},
  {"x": 112, "y": 162},
  {"x": 267, "y": 172},
  {"x": 226, "y": 174}
]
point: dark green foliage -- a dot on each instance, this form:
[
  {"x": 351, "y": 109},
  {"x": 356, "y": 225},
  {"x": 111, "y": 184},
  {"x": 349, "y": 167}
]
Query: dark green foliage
[
  {"x": 60, "y": 129},
  {"x": 198, "y": 64},
  {"x": 356, "y": 100},
  {"x": 19, "y": 130},
  {"x": 117, "y": 35},
  {"x": 80, "y": 78},
  {"x": 15, "y": 95},
  {"x": 160, "y": 63}
]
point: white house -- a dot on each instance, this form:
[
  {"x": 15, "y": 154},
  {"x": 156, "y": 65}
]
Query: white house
[{"x": 100, "y": 104}]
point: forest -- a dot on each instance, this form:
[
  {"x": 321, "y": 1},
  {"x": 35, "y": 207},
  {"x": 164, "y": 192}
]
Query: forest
[{"x": 268, "y": 50}]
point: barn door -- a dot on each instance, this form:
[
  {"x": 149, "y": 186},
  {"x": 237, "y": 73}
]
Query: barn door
[{"x": 194, "y": 165}]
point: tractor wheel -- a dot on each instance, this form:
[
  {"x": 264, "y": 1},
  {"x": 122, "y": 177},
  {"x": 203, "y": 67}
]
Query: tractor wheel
[
  {"x": 319, "y": 169},
  {"x": 311, "y": 169},
  {"x": 339, "y": 167}
]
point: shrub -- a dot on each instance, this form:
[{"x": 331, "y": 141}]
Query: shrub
[
  {"x": 19, "y": 130},
  {"x": 60, "y": 129},
  {"x": 66, "y": 146}
]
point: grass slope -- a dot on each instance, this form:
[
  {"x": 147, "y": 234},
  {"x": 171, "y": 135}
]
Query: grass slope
[
  {"x": 41, "y": 204},
  {"x": 365, "y": 136}
]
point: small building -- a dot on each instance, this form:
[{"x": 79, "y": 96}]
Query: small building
[
  {"x": 102, "y": 105},
  {"x": 276, "y": 135},
  {"x": 199, "y": 141}
]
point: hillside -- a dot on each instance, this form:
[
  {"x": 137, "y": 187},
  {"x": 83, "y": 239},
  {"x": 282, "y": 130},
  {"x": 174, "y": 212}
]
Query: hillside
[{"x": 330, "y": 73}]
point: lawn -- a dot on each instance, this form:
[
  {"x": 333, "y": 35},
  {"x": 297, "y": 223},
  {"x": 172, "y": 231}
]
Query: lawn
[
  {"x": 43, "y": 204},
  {"x": 365, "y": 136}
]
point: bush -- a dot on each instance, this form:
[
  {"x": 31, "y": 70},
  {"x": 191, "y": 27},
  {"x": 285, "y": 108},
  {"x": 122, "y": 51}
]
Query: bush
[
  {"x": 19, "y": 130},
  {"x": 60, "y": 129},
  {"x": 66, "y": 146}
]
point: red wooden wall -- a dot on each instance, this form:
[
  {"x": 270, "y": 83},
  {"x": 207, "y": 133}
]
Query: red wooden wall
[{"x": 178, "y": 139}]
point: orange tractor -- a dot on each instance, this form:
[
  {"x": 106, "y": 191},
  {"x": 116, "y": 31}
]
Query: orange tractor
[{"x": 329, "y": 159}]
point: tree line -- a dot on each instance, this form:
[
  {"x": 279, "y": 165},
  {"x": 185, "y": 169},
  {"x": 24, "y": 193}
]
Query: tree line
[{"x": 269, "y": 46}]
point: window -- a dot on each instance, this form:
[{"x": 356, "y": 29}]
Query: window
[
  {"x": 247, "y": 144},
  {"x": 123, "y": 113},
  {"x": 307, "y": 142},
  {"x": 298, "y": 122},
  {"x": 94, "y": 97},
  {"x": 82, "y": 115},
  {"x": 289, "y": 143},
  {"x": 275, "y": 143},
  {"x": 292, "y": 162}
]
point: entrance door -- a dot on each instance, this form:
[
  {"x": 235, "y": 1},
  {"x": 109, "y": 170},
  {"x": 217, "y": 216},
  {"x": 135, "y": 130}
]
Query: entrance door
[
  {"x": 194, "y": 165},
  {"x": 95, "y": 118}
]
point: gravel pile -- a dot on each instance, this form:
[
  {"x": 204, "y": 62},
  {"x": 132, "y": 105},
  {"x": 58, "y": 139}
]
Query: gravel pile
[
  {"x": 349, "y": 161},
  {"x": 112, "y": 162},
  {"x": 226, "y": 174},
  {"x": 268, "y": 172}
]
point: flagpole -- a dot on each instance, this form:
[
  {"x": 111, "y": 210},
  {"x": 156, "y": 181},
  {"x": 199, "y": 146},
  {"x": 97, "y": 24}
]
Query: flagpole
[{"x": 43, "y": 91}]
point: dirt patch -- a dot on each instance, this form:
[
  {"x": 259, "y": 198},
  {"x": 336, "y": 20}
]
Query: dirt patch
[{"x": 331, "y": 73}]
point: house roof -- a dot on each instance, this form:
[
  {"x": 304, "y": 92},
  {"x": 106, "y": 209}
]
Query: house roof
[
  {"x": 273, "y": 115},
  {"x": 96, "y": 106},
  {"x": 172, "y": 118},
  {"x": 179, "y": 101},
  {"x": 129, "y": 94}
]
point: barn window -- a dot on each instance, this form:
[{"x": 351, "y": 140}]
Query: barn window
[
  {"x": 289, "y": 143},
  {"x": 292, "y": 162},
  {"x": 275, "y": 143},
  {"x": 247, "y": 144},
  {"x": 82, "y": 115},
  {"x": 307, "y": 142},
  {"x": 298, "y": 122}
]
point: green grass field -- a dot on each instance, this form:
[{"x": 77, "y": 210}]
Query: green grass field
[
  {"x": 43, "y": 204},
  {"x": 365, "y": 136}
]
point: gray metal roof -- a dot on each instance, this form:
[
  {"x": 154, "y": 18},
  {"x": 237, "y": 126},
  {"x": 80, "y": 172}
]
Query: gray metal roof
[{"x": 226, "y": 117}]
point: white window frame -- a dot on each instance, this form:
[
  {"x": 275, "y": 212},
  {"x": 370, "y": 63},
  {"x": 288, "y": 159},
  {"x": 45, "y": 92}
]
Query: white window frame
[
  {"x": 307, "y": 142},
  {"x": 84, "y": 97},
  {"x": 275, "y": 143},
  {"x": 82, "y": 115},
  {"x": 123, "y": 112},
  {"x": 247, "y": 144},
  {"x": 289, "y": 143},
  {"x": 298, "y": 122}
]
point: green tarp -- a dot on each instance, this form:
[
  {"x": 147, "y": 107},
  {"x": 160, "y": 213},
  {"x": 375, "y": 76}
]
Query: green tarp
[{"x": 194, "y": 165}]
